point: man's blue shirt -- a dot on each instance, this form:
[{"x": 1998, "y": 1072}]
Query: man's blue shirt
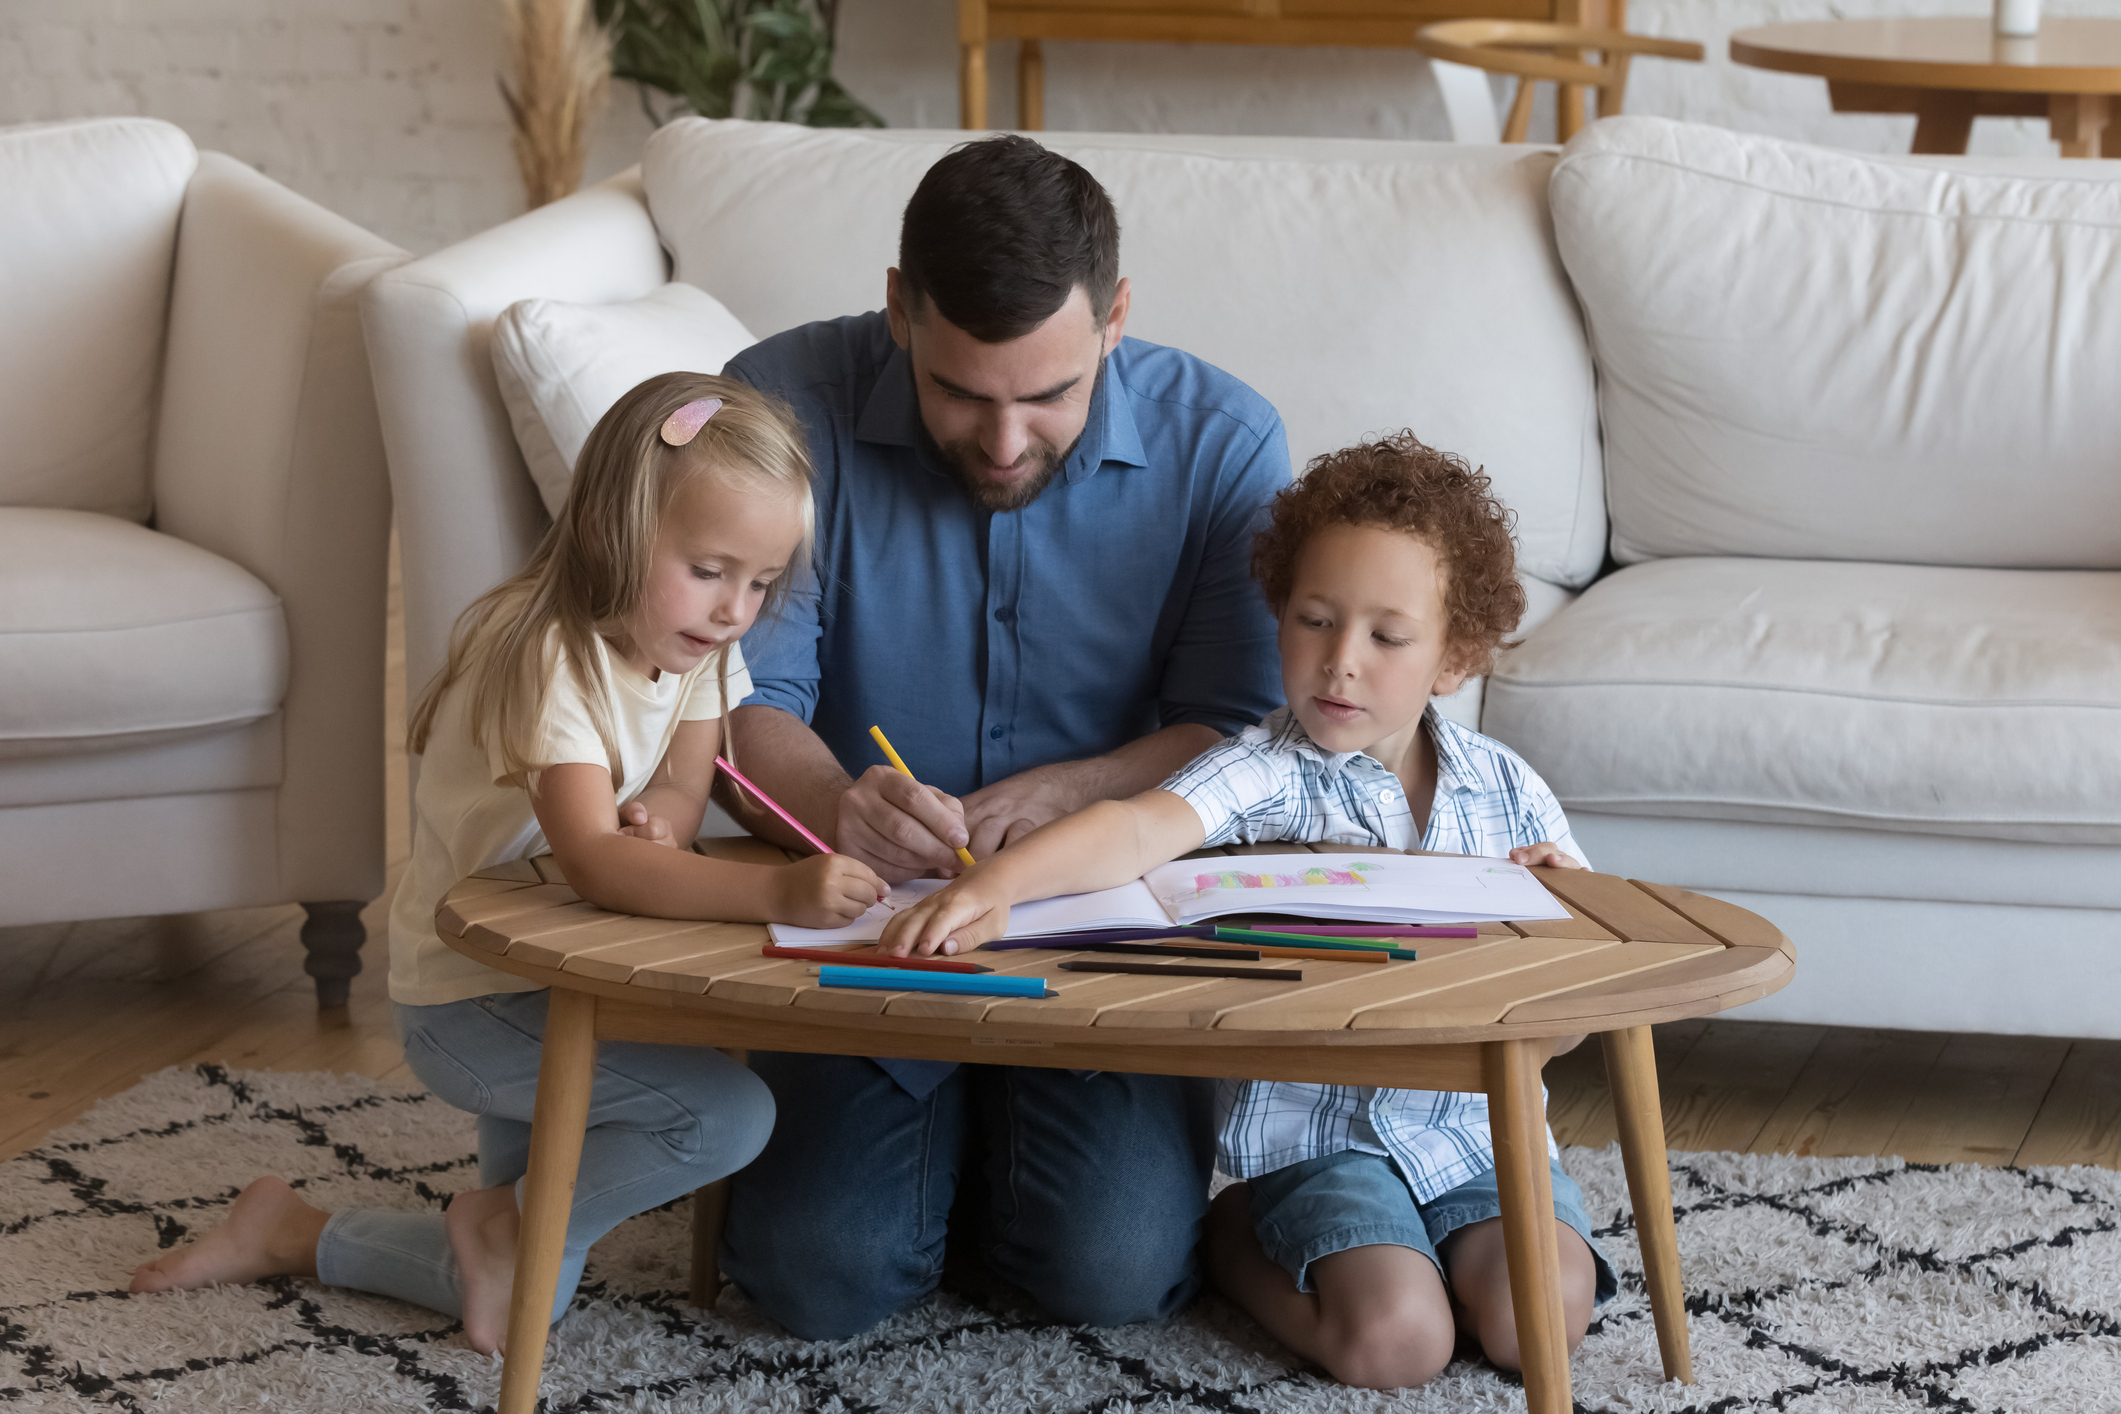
[{"x": 1117, "y": 603}]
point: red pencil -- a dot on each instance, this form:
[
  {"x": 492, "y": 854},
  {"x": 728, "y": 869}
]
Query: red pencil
[{"x": 865, "y": 959}]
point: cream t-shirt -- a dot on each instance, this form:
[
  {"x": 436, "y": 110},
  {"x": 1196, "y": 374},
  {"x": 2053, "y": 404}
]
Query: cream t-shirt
[{"x": 466, "y": 817}]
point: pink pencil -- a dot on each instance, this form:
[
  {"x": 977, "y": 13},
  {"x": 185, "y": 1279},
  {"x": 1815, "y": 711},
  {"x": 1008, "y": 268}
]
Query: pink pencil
[
  {"x": 1370, "y": 930},
  {"x": 771, "y": 804}
]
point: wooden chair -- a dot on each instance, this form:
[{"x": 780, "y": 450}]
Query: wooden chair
[{"x": 1465, "y": 51}]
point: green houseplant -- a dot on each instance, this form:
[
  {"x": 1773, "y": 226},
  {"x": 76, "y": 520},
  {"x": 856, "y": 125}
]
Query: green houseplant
[{"x": 763, "y": 59}]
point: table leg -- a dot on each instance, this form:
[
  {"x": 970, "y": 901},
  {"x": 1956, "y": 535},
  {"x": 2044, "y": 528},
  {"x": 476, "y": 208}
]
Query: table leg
[
  {"x": 2078, "y": 120},
  {"x": 710, "y": 1214},
  {"x": 566, "y": 1073},
  {"x": 972, "y": 86},
  {"x": 1631, "y": 1069},
  {"x": 1944, "y": 120},
  {"x": 1030, "y": 86},
  {"x": 1517, "y": 1113}
]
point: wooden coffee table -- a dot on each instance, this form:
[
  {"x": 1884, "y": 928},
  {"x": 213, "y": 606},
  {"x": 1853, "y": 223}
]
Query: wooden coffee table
[
  {"x": 1482, "y": 1014},
  {"x": 1950, "y": 71}
]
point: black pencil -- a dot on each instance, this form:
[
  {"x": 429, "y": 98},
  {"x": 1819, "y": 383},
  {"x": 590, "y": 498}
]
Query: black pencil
[{"x": 1183, "y": 969}]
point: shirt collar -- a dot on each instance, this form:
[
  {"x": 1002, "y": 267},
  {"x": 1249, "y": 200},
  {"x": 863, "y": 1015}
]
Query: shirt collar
[
  {"x": 892, "y": 416},
  {"x": 1454, "y": 771}
]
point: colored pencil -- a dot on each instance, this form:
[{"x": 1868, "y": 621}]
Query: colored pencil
[
  {"x": 1230, "y": 954},
  {"x": 834, "y": 955},
  {"x": 1315, "y": 954},
  {"x": 1253, "y": 935},
  {"x": 771, "y": 804},
  {"x": 1087, "y": 936},
  {"x": 894, "y": 980},
  {"x": 899, "y": 763},
  {"x": 1369, "y": 930},
  {"x": 1186, "y": 969}
]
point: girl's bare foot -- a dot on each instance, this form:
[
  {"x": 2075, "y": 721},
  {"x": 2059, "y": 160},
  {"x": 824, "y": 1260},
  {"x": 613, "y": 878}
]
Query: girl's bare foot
[
  {"x": 270, "y": 1232},
  {"x": 482, "y": 1234}
]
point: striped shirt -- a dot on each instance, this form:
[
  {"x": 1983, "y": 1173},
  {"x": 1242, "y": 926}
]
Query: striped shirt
[{"x": 1272, "y": 782}]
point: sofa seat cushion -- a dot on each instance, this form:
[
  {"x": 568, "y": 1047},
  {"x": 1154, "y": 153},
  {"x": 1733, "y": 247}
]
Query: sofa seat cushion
[
  {"x": 113, "y": 636},
  {"x": 1984, "y": 703}
]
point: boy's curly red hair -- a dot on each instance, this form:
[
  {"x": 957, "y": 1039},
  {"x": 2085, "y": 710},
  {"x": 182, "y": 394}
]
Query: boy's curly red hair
[{"x": 1397, "y": 482}]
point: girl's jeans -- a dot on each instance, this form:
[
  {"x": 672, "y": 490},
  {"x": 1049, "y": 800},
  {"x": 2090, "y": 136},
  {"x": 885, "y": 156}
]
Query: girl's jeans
[{"x": 663, "y": 1120}]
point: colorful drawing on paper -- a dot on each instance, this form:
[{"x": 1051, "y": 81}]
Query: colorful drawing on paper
[{"x": 1320, "y": 877}]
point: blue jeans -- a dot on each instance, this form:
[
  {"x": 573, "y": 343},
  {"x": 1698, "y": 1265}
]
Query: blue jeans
[
  {"x": 1096, "y": 1189},
  {"x": 663, "y": 1120}
]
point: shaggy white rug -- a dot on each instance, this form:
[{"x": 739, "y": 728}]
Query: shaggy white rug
[{"x": 1814, "y": 1285}]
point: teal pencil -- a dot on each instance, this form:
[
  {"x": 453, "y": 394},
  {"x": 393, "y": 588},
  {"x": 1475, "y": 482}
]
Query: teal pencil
[{"x": 1312, "y": 940}]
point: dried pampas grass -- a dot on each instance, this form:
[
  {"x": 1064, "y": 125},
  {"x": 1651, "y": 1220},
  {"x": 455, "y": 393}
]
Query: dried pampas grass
[{"x": 562, "y": 75}]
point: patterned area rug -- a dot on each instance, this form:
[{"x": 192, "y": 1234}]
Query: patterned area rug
[{"x": 1814, "y": 1285}]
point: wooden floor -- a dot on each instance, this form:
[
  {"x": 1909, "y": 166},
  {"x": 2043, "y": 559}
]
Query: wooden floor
[{"x": 86, "y": 1009}]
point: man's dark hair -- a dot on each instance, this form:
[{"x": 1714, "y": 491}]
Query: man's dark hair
[{"x": 1000, "y": 232}]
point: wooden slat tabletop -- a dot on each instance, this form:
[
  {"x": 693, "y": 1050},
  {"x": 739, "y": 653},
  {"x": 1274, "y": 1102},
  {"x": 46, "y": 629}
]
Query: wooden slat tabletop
[{"x": 1631, "y": 952}]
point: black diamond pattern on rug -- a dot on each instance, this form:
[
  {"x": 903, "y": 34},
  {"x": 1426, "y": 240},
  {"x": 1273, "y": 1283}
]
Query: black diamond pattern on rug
[{"x": 1814, "y": 1285}]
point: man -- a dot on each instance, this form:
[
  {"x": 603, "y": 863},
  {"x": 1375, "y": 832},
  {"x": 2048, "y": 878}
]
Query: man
[{"x": 1031, "y": 570}]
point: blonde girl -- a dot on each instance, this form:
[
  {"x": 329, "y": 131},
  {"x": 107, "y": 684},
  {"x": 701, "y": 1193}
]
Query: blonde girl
[{"x": 580, "y": 711}]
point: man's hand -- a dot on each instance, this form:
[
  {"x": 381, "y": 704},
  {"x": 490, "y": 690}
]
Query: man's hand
[
  {"x": 1542, "y": 856},
  {"x": 825, "y": 891},
  {"x": 635, "y": 820},
  {"x": 1003, "y": 813},
  {"x": 956, "y": 919},
  {"x": 899, "y": 827}
]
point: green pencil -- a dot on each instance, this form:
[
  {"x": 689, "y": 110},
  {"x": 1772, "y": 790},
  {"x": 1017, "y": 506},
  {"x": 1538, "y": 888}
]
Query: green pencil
[{"x": 1313, "y": 940}]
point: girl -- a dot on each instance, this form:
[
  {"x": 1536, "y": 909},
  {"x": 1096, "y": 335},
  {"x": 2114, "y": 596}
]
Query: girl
[{"x": 581, "y": 710}]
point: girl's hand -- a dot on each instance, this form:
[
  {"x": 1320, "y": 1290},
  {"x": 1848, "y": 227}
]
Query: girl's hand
[
  {"x": 635, "y": 820},
  {"x": 1542, "y": 856},
  {"x": 955, "y": 919},
  {"x": 825, "y": 891}
]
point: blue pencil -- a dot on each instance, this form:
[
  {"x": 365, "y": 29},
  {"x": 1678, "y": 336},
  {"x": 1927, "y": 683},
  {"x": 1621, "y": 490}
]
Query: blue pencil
[{"x": 893, "y": 980}]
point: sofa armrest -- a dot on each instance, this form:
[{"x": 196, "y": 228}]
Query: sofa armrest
[
  {"x": 268, "y": 452},
  {"x": 468, "y": 513}
]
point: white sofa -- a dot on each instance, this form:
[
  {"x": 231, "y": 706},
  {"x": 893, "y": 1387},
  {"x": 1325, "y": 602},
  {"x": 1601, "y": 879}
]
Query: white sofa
[
  {"x": 1759, "y": 356},
  {"x": 194, "y": 521}
]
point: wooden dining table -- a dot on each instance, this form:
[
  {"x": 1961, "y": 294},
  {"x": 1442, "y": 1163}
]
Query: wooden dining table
[
  {"x": 1471, "y": 1014},
  {"x": 1948, "y": 71}
]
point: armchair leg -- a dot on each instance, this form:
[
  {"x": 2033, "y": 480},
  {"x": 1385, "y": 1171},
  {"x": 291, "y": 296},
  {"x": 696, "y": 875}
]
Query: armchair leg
[{"x": 332, "y": 936}]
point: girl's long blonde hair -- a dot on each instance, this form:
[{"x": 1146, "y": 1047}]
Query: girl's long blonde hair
[{"x": 591, "y": 569}]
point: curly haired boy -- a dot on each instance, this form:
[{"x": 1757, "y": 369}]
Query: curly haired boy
[{"x": 1366, "y": 1232}]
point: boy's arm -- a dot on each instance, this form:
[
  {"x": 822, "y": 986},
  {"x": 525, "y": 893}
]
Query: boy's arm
[{"x": 1110, "y": 843}]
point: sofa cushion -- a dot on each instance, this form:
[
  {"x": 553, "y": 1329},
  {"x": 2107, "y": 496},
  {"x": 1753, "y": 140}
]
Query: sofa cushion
[
  {"x": 1818, "y": 354},
  {"x": 561, "y": 366},
  {"x": 88, "y": 221},
  {"x": 112, "y": 636},
  {"x": 1900, "y": 697},
  {"x": 1359, "y": 286}
]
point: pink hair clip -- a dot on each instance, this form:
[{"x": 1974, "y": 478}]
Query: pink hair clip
[{"x": 685, "y": 424}]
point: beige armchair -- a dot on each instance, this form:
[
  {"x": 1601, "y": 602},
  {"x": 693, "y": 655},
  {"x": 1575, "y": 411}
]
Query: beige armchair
[{"x": 194, "y": 519}]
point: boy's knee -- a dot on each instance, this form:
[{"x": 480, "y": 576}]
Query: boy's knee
[{"x": 1392, "y": 1350}]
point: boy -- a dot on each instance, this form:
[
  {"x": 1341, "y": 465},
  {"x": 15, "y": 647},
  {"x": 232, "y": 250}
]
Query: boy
[{"x": 1368, "y": 1234}]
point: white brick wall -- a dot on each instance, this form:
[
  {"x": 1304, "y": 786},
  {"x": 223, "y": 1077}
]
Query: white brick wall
[{"x": 386, "y": 110}]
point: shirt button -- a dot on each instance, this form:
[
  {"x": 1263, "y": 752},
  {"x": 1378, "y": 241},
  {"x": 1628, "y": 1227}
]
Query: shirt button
[
  {"x": 1004, "y": 614},
  {"x": 1388, "y": 796},
  {"x": 994, "y": 733}
]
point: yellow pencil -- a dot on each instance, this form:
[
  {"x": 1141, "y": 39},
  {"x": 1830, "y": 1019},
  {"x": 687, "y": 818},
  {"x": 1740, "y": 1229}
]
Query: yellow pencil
[{"x": 897, "y": 761}]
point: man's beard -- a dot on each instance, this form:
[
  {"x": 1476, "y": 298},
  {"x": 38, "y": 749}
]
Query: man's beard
[{"x": 963, "y": 457}]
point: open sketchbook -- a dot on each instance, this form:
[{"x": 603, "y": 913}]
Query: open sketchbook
[{"x": 1355, "y": 888}]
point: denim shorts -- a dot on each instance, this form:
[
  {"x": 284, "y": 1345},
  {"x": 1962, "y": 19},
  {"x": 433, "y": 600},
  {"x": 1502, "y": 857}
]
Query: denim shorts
[{"x": 1351, "y": 1199}]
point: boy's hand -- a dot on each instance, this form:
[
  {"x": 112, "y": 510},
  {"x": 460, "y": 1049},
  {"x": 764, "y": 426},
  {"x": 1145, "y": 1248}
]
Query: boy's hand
[
  {"x": 635, "y": 820},
  {"x": 1542, "y": 856},
  {"x": 955, "y": 919},
  {"x": 825, "y": 891}
]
